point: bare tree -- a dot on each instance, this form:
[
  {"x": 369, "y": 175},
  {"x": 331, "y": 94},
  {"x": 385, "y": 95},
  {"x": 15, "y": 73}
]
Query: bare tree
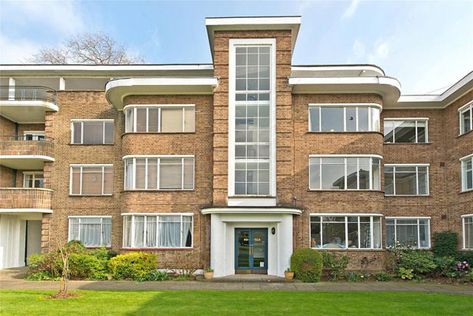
[{"x": 87, "y": 48}]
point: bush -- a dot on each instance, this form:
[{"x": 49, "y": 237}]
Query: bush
[
  {"x": 132, "y": 266},
  {"x": 406, "y": 274},
  {"x": 421, "y": 262},
  {"x": 335, "y": 265},
  {"x": 445, "y": 244},
  {"x": 445, "y": 266},
  {"x": 465, "y": 256},
  {"x": 307, "y": 265},
  {"x": 383, "y": 277},
  {"x": 46, "y": 266},
  {"x": 157, "y": 276},
  {"x": 354, "y": 276},
  {"x": 86, "y": 266}
]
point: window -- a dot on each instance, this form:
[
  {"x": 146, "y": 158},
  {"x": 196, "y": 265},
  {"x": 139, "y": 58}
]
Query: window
[
  {"x": 160, "y": 118},
  {"x": 92, "y": 132},
  {"x": 92, "y": 231},
  {"x": 159, "y": 173},
  {"x": 407, "y": 130},
  {"x": 91, "y": 180},
  {"x": 35, "y": 135},
  {"x": 344, "y": 118},
  {"x": 466, "y": 118},
  {"x": 345, "y": 231},
  {"x": 408, "y": 232},
  {"x": 33, "y": 180},
  {"x": 467, "y": 172},
  {"x": 157, "y": 231},
  {"x": 406, "y": 179},
  {"x": 252, "y": 119},
  {"x": 467, "y": 223},
  {"x": 344, "y": 173}
]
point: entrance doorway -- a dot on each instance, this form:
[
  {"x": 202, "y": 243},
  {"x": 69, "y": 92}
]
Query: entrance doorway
[{"x": 251, "y": 250}]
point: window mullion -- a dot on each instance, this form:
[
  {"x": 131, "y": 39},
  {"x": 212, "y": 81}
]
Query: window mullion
[
  {"x": 418, "y": 233},
  {"x": 417, "y": 136},
  {"x": 359, "y": 230},
  {"x": 103, "y": 132},
  {"x": 183, "y": 119},
  {"x": 344, "y": 119},
  {"x": 321, "y": 232},
  {"x": 394, "y": 180},
  {"x": 132, "y": 232},
  {"x": 80, "y": 179},
  {"x": 181, "y": 233},
  {"x": 346, "y": 232},
  {"x": 145, "y": 219},
  {"x": 82, "y": 132},
  {"x": 134, "y": 174},
  {"x": 395, "y": 231},
  {"x": 345, "y": 173},
  {"x": 182, "y": 173},
  {"x": 158, "y": 171},
  {"x": 320, "y": 118},
  {"x": 159, "y": 119},
  {"x": 103, "y": 180},
  {"x": 320, "y": 173},
  {"x": 417, "y": 180},
  {"x": 371, "y": 233},
  {"x": 146, "y": 173}
]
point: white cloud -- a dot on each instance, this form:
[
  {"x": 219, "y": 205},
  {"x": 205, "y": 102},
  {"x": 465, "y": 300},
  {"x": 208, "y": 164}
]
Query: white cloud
[
  {"x": 379, "y": 53},
  {"x": 16, "y": 51},
  {"x": 350, "y": 11}
]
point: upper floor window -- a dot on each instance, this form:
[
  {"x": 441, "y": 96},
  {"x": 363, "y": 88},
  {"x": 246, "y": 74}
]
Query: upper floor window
[
  {"x": 408, "y": 232},
  {"x": 157, "y": 231},
  {"x": 171, "y": 118},
  {"x": 159, "y": 173},
  {"x": 34, "y": 135},
  {"x": 345, "y": 231},
  {"x": 344, "y": 173},
  {"x": 92, "y": 132},
  {"x": 33, "y": 180},
  {"x": 467, "y": 172},
  {"x": 466, "y": 118},
  {"x": 92, "y": 231},
  {"x": 406, "y": 179},
  {"x": 406, "y": 130},
  {"x": 344, "y": 118},
  {"x": 91, "y": 180},
  {"x": 467, "y": 223}
]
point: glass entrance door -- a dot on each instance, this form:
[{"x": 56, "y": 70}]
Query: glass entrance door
[{"x": 251, "y": 250}]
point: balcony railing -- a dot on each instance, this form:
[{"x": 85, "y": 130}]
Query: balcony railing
[
  {"x": 11, "y": 198},
  {"x": 27, "y": 93},
  {"x": 17, "y": 145}
]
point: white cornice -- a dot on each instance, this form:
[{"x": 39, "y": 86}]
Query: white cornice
[
  {"x": 249, "y": 210},
  {"x": 25, "y": 210}
]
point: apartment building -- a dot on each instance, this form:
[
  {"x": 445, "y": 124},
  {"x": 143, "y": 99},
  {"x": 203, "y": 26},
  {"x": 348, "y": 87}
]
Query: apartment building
[{"x": 237, "y": 162}]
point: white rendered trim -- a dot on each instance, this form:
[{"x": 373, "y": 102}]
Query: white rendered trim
[{"x": 26, "y": 210}]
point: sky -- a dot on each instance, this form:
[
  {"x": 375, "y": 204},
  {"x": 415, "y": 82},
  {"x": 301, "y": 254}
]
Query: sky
[{"x": 426, "y": 45}]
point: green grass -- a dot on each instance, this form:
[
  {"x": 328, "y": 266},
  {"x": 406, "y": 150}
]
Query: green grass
[{"x": 235, "y": 303}]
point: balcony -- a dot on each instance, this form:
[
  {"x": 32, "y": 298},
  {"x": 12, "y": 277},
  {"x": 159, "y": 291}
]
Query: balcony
[
  {"x": 17, "y": 153},
  {"x": 26, "y": 199},
  {"x": 25, "y": 104}
]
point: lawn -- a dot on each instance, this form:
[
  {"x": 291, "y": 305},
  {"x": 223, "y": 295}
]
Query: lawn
[{"x": 235, "y": 303}]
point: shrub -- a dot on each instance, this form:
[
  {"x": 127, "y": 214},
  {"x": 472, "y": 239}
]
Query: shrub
[
  {"x": 421, "y": 262},
  {"x": 465, "y": 256},
  {"x": 335, "y": 265},
  {"x": 383, "y": 277},
  {"x": 406, "y": 274},
  {"x": 86, "y": 266},
  {"x": 157, "y": 275},
  {"x": 445, "y": 244},
  {"x": 44, "y": 266},
  {"x": 445, "y": 266},
  {"x": 354, "y": 276},
  {"x": 307, "y": 264},
  {"x": 132, "y": 266}
]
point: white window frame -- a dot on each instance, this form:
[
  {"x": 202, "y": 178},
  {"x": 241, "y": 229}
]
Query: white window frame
[
  {"x": 416, "y": 120},
  {"x": 461, "y": 110},
  {"x": 158, "y": 157},
  {"x": 345, "y": 172},
  {"x": 233, "y": 44},
  {"x": 463, "y": 172},
  {"x": 33, "y": 173},
  {"x": 417, "y": 178},
  {"x": 369, "y": 106},
  {"x": 157, "y": 215},
  {"x": 35, "y": 134},
  {"x": 346, "y": 215},
  {"x": 80, "y": 181},
  {"x": 464, "y": 231},
  {"x": 134, "y": 107},
  {"x": 418, "y": 218},
  {"x": 81, "y": 121},
  {"x": 69, "y": 238}
]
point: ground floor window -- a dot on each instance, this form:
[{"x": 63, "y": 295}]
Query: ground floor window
[
  {"x": 345, "y": 231},
  {"x": 408, "y": 232},
  {"x": 157, "y": 231},
  {"x": 92, "y": 231},
  {"x": 467, "y": 222}
]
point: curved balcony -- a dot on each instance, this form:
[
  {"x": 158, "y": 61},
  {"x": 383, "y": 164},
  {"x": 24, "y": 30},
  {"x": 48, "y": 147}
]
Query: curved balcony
[
  {"x": 27, "y": 104},
  {"x": 17, "y": 153},
  {"x": 15, "y": 200}
]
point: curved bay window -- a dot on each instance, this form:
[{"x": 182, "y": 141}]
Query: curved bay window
[{"x": 169, "y": 118}]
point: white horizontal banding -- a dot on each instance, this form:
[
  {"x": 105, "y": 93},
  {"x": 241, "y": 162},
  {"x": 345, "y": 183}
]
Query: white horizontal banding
[
  {"x": 158, "y": 106},
  {"x": 408, "y": 217},
  {"x": 407, "y": 164},
  {"x": 345, "y": 156},
  {"x": 26, "y": 210},
  {"x": 345, "y": 104},
  {"x": 157, "y": 156},
  {"x": 42, "y": 157},
  {"x": 159, "y": 214},
  {"x": 250, "y": 210},
  {"x": 90, "y": 216},
  {"x": 346, "y": 214}
]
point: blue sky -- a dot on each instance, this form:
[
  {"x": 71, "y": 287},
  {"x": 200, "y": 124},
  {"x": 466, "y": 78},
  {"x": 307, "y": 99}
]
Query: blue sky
[{"x": 427, "y": 45}]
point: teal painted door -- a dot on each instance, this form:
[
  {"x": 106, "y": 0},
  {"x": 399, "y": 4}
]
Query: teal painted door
[{"x": 251, "y": 250}]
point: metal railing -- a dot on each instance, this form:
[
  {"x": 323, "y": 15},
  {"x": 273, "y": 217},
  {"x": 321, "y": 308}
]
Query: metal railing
[{"x": 27, "y": 93}]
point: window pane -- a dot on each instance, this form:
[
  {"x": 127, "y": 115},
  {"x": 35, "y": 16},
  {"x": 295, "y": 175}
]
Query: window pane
[
  {"x": 314, "y": 119},
  {"x": 169, "y": 231},
  {"x": 140, "y": 173},
  {"x": 351, "y": 119},
  {"x": 170, "y": 173},
  {"x": 390, "y": 240},
  {"x": 129, "y": 121},
  {"x": 141, "y": 119},
  {"x": 108, "y": 180},
  {"x": 405, "y": 181},
  {"x": 364, "y": 173},
  {"x": 73, "y": 229},
  {"x": 90, "y": 231},
  {"x": 138, "y": 238},
  {"x": 315, "y": 237},
  {"x": 421, "y": 128},
  {"x": 93, "y": 132},
  {"x": 109, "y": 133},
  {"x": 153, "y": 120},
  {"x": 353, "y": 232},
  {"x": 127, "y": 231},
  {"x": 388, "y": 131},
  {"x": 189, "y": 120},
  {"x": 188, "y": 173},
  {"x": 365, "y": 232},
  {"x": 92, "y": 180},
  {"x": 333, "y": 232},
  {"x": 332, "y": 119},
  {"x": 129, "y": 174},
  {"x": 466, "y": 121},
  {"x": 171, "y": 120},
  {"x": 352, "y": 173},
  {"x": 468, "y": 232},
  {"x": 186, "y": 231},
  {"x": 363, "y": 119},
  {"x": 424, "y": 233},
  {"x": 407, "y": 233},
  {"x": 375, "y": 119},
  {"x": 388, "y": 180},
  {"x": 376, "y": 174},
  {"x": 28, "y": 181},
  {"x": 152, "y": 173},
  {"x": 150, "y": 234},
  {"x": 315, "y": 173},
  {"x": 405, "y": 132},
  {"x": 423, "y": 180},
  {"x": 77, "y": 126},
  {"x": 377, "y": 232},
  {"x": 333, "y": 173}
]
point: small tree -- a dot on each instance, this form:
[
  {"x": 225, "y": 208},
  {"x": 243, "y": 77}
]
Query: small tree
[
  {"x": 87, "y": 48},
  {"x": 65, "y": 252}
]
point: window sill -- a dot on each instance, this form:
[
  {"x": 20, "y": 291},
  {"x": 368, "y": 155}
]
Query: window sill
[
  {"x": 161, "y": 190},
  {"x": 155, "y": 249},
  {"x": 466, "y": 133},
  {"x": 349, "y": 190},
  {"x": 409, "y": 196},
  {"x": 349, "y": 249},
  {"x": 361, "y": 132},
  {"x": 158, "y": 133},
  {"x": 71, "y": 144},
  {"x": 407, "y": 143},
  {"x": 90, "y": 195},
  {"x": 466, "y": 191}
]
